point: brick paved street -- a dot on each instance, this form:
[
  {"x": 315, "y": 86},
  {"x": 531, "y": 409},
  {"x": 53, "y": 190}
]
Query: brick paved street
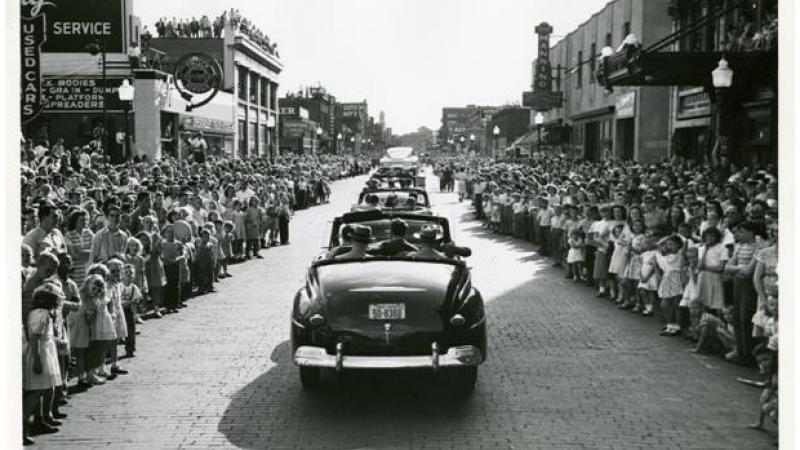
[{"x": 565, "y": 370}]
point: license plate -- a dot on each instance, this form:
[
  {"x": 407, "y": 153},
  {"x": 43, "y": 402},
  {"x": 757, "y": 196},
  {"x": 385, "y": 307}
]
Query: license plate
[{"x": 387, "y": 311}]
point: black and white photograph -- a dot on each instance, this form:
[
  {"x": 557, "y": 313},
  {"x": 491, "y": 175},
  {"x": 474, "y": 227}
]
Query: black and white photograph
[{"x": 399, "y": 224}]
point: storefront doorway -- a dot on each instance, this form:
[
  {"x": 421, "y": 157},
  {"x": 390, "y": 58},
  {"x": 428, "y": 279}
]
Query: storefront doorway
[{"x": 626, "y": 137}]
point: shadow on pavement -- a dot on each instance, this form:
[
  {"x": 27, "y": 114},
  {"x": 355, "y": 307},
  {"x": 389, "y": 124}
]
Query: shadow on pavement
[{"x": 354, "y": 411}]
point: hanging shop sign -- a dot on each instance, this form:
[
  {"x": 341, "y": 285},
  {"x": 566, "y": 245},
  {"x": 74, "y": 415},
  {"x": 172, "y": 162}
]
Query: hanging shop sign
[
  {"x": 32, "y": 37},
  {"x": 626, "y": 105},
  {"x": 72, "y": 24},
  {"x": 81, "y": 94},
  {"x": 197, "y": 74},
  {"x": 543, "y": 80}
]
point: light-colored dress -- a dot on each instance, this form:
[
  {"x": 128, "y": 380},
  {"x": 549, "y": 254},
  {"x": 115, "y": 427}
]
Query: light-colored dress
[
  {"x": 768, "y": 257},
  {"x": 672, "y": 273},
  {"x": 634, "y": 266},
  {"x": 79, "y": 246},
  {"x": 575, "y": 253},
  {"x": 619, "y": 258},
  {"x": 709, "y": 284},
  {"x": 40, "y": 327},
  {"x": 115, "y": 294}
]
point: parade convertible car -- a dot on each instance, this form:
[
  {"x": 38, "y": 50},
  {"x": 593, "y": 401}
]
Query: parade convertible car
[
  {"x": 391, "y": 312},
  {"x": 409, "y": 199}
]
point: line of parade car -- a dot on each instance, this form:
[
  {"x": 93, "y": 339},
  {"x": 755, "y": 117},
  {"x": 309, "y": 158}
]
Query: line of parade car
[{"x": 403, "y": 302}]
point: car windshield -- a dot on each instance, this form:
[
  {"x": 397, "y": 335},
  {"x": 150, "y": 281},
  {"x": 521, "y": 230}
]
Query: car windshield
[{"x": 381, "y": 229}]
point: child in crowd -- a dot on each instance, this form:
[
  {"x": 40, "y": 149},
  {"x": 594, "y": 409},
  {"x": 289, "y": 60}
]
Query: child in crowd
[
  {"x": 226, "y": 244},
  {"x": 670, "y": 262},
  {"x": 633, "y": 267},
  {"x": 41, "y": 373},
  {"x": 648, "y": 278},
  {"x": 131, "y": 297},
  {"x": 575, "y": 256},
  {"x": 205, "y": 262},
  {"x": 765, "y": 321},
  {"x": 238, "y": 217},
  {"x": 600, "y": 233},
  {"x": 133, "y": 256},
  {"x": 689, "y": 290},
  {"x": 154, "y": 270},
  {"x": 114, "y": 281},
  {"x": 101, "y": 324},
  {"x": 715, "y": 334},
  {"x": 557, "y": 235},
  {"x": 28, "y": 264},
  {"x": 172, "y": 253},
  {"x": 619, "y": 259},
  {"x": 768, "y": 405}
]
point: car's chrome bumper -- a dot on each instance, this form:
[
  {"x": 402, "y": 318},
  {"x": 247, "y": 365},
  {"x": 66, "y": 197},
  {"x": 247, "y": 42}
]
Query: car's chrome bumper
[{"x": 460, "y": 356}]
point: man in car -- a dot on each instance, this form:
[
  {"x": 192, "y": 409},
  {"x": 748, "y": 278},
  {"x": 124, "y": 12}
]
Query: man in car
[
  {"x": 397, "y": 244},
  {"x": 361, "y": 237},
  {"x": 427, "y": 244}
]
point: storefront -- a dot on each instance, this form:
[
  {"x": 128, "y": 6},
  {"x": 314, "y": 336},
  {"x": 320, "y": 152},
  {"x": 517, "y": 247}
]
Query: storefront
[{"x": 592, "y": 134}]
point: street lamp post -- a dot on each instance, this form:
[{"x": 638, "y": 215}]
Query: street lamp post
[
  {"x": 722, "y": 79},
  {"x": 99, "y": 46},
  {"x": 319, "y": 136},
  {"x": 125, "y": 93},
  {"x": 496, "y": 133},
  {"x": 471, "y": 141},
  {"x": 353, "y": 142},
  {"x": 539, "y": 120},
  {"x": 338, "y": 142}
]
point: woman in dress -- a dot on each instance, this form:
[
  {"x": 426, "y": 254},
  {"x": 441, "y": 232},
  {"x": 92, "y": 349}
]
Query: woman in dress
[
  {"x": 41, "y": 374},
  {"x": 78, "y": 239}
]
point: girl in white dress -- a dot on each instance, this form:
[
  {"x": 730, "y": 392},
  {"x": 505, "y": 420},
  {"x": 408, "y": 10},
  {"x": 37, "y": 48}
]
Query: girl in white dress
[{"x": 41, "y": 373}]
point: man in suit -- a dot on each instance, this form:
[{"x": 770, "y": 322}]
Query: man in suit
[{"x": 397, "y": 244}]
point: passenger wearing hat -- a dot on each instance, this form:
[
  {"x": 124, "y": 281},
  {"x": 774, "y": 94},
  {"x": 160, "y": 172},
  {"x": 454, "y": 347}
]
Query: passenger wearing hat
[
  {"x": 361, "y": 237},
  {"x": 428, "y": 238},
  {"x": 397, "y": 244}
]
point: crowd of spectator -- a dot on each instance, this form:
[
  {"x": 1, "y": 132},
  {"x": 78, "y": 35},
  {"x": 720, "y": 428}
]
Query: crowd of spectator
[
  {"x": 694, "y": 245},
  {"x": 205, "y": 28},
  {"x": 107, "y": 246}
]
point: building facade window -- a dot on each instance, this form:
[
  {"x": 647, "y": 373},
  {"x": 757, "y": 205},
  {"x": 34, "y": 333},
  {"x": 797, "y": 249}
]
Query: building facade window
[
  {"x": 241, "y": 85},
  {"x": 579, "y": 72},
  {"x": 264, "y": 91},
  {"x": 626, "y": 29},
  {"x": 608, "y": 40},
  {"x": 252, "y": 139},
  {"x": 592, "y": 62},
  {"x": 253, "y": 92},
  {"x": 273, "y": 95},
  {"x": 242, "y": 138},
  {"x": 264, "y": 146}
]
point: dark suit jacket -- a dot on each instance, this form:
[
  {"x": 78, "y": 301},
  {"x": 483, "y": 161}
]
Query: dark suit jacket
[{"x": 393, "y": 247}]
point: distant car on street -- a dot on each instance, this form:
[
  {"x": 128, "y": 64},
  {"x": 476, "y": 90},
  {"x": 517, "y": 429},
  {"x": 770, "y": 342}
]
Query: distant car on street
[{"x": 389, "y": 312}]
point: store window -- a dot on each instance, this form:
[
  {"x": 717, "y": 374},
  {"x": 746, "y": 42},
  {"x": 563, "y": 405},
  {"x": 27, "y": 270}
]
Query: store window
[
  {"x": 264, "y": 142},
  {"x": 241, "y": 85}
]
